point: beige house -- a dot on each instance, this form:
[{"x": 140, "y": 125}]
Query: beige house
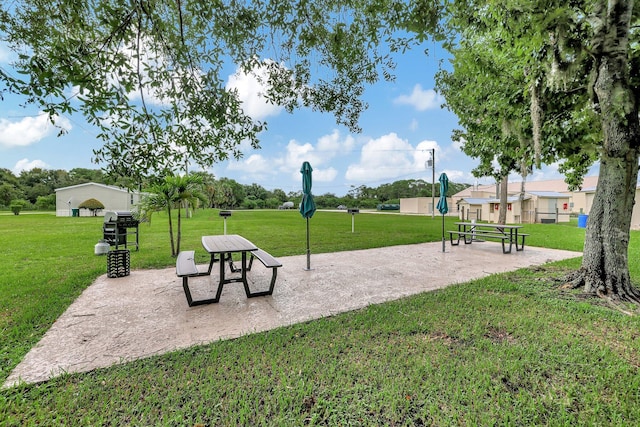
[
  {"x": 544, "y": 201},
  {"x": 577, "y": 199},
  {"x": 424, "y": 205},
  {"x": 589, "y": 193},
  {"x": 113, "y": 198},
  {"x": 535, "y": 207}
]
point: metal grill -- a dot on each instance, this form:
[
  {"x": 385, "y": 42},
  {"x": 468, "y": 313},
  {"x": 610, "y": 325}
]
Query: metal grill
[{"x": 117, "y": 225}]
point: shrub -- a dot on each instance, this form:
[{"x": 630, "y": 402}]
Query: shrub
[
  {"x": 16, "y": 209},
  {"x": 93, "y": 205},
  {"x": 17, "y": 205},
  {"x": 46, "y": 203}
]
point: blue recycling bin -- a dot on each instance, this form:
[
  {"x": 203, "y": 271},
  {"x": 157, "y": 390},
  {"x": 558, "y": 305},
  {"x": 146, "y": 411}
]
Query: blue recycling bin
[{"x": 582, "y": 220}]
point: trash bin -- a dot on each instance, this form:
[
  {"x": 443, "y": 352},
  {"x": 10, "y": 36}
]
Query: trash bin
[
  {"x": 582, "y": 220},
  {"x": 75, "y": 212}
]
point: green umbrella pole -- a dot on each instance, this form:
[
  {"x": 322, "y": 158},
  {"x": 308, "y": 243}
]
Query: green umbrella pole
[
  {"x": 443, "y": 233},
  {"x": 308, "y": 250}
]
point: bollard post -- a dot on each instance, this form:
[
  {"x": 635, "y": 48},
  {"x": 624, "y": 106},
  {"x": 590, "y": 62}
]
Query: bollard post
[{"x": 225, "y": 215}]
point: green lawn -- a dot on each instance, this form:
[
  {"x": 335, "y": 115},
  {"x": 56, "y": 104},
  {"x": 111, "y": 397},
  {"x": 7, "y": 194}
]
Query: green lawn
[{"x": 510, "y": 349}]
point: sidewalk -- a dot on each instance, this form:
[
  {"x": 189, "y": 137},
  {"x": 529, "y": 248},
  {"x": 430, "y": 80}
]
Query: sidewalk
[{"x": 146, "y": 313}]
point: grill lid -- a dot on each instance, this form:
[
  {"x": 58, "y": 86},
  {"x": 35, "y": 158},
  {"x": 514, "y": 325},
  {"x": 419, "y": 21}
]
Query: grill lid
[{"x": 119, "y": 217}]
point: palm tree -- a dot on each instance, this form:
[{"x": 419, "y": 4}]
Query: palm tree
[
  {"x": 187, "y": 190},
  {"x": 174, "y": 192}
]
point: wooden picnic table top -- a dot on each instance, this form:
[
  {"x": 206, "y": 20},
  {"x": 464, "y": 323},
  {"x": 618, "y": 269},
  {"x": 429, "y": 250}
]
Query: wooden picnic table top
[
  {"x": 226, "y": 243},
  {"x": 488, "y": 225}
]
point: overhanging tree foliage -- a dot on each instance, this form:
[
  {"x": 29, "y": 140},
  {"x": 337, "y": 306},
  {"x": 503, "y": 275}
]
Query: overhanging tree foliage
[
  {"x": 486, "y": 89},
  {"x": 151, "y": 74}
]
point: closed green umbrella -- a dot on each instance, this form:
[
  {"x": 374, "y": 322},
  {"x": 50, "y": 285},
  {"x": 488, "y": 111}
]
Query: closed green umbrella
[
  {"x": 307, "y": 206},
  {"x": 442, "y": 206}
]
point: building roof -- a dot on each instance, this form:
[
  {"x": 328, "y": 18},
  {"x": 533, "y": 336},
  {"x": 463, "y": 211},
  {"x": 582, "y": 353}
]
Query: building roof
[
  {"x": 481, "y": 200},
  {"x": 549, "y": 194},
  {"x": 554, "y": 185},
  {"x": 86, "y": 184},
  {"x": 510, "y": 199},
  {"x": 474, "y": 200},
  {"x": 588, "y": 189}
]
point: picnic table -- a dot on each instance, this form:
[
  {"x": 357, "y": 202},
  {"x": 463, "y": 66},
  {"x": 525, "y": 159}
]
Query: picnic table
[
  {"x": 221, "y": 249},
  {"x": 476, "y": 232}
]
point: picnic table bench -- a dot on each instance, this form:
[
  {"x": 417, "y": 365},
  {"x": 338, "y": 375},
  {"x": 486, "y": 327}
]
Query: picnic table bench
[
  {"x": 475, "y": 232},
  {"x": 224, "y": 246}
]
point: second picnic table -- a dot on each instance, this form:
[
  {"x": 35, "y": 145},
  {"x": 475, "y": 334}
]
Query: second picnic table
[{"x": 476, "y": 232}]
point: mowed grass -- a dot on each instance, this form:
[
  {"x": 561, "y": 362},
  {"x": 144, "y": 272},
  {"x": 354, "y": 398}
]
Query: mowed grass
[{"x": 510, "y": 349}]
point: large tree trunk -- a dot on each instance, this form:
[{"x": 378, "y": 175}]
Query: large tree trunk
[
  {"x": 605, "y": 264},
  {"x": 504, "y": 195}
]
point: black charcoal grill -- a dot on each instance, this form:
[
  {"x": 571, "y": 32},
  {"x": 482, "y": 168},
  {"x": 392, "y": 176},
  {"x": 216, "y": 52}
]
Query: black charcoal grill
[{"x": 117, "y": 225}]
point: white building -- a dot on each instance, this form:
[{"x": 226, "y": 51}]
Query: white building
[{"x": 113, "y": 198}]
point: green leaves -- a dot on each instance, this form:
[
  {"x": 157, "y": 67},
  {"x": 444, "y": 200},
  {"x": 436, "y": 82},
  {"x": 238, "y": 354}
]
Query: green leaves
[{"x": 151, "y": 75}]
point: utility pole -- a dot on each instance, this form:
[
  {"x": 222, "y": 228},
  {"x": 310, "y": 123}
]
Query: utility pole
[{"x": 431, "y": 162}]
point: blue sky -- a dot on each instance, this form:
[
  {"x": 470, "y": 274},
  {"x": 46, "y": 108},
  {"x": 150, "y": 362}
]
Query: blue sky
[{"x": 403, "y": 123}]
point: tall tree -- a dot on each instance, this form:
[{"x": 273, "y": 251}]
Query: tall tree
[
  {"x": 580, "y": 66},
  {"x": 487, "y": 90}
]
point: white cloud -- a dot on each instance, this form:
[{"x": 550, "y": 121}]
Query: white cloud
[
  {"x": 255, "y": 164},
  {"x": 5, "y": 54},
  {"x": 319, "y": 155},
  {"x": 333, "y": 144},
  {"x": 326, "y": 149},
  {"x": 29, "y": 130},
  {"x": 27, "y": 165},
  {"x": 421, "y": 99},
  {"x": 423, "y": 154},
  {"x": 455, "y": 175},
  {"x": 297, "y": 153},
  {"x": 250, "y": 91},
  {"x": 458, "y": 144},
  {"x": 386, "y": 157},
  {"x": 323, "y": 175}
]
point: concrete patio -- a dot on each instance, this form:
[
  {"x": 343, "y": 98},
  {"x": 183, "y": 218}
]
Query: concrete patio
[{"x": 118, "y": 320}]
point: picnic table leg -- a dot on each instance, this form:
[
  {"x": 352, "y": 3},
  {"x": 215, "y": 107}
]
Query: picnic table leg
[
  {"x": 221, "y": 281},
  {"x": 510, "y": 236},
  {"x": 468, "y": 239},
  {"x": 451, "y": 238},
  {"x": 213, "y": 259},
  {"x": 244, "y": 274}
]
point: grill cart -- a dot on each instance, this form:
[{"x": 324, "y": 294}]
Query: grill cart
[{"x": 117, "y": 226}]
